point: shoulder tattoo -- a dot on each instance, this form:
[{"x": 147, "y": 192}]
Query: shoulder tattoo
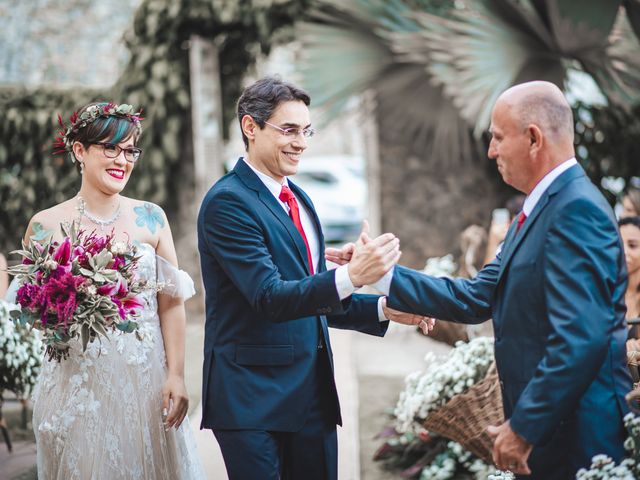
[
  {"x": 39, "y": 233},
  {"x": 150, "y": 216}
]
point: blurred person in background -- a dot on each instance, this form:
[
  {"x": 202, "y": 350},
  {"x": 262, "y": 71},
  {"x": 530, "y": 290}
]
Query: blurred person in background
[
  {"x": 631, "y": 203},
  {"x": 501, "y": 218},
  {"x": 630, "y": 233},
  {"x": 117, "y": 410}
]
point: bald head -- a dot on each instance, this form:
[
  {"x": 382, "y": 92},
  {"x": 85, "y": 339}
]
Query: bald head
[{"x": 542, "y": 104}]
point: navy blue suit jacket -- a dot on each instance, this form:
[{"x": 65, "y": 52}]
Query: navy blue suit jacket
[
  {"x": 265, "y": 313},
  {"x": 556, "y": 296}
]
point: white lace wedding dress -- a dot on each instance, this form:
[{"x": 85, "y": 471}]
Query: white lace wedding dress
[{"x": 98, "y": 415}]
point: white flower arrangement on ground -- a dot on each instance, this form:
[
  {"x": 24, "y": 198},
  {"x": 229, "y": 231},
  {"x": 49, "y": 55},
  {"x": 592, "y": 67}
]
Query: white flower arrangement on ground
[
  {"x": 428, "y": 456},
  {"x": 447, "y": 464},
  {"x": 21, "y": 352},
  {"x": 603, "y": 467},
  {"x": 462, "y": 367}
]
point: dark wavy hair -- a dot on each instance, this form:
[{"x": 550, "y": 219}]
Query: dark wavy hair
[
  {"x": 629, "y": 221},
  {"x": 260, "y": 100}
]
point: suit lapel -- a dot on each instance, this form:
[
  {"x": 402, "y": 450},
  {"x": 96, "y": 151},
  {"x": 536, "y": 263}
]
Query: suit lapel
[
  {"x": 252, "y": 181},
  {"x": 513, "y": 239},
  {"x": 304, "y": 198}
]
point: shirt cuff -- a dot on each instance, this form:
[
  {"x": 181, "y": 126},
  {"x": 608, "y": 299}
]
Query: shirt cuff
[
  {"x": 381, "y": 316},
  {"x": 384, "y": 284},
  {"x": 344, "y": 287}
]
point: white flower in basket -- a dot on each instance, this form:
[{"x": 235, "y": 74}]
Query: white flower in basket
[{"x": 457, "y": 397}]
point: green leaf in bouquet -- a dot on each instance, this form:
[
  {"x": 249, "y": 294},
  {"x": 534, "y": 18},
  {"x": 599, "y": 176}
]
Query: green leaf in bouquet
[
  {"x": 127, "y": 326},
  {"x": 109, "y": 274},
  {"x": 99, "y": 277},
  {"x": 102, "y": 259},
  {"x": 23, "y": 253},
  {"x": 86, "y": 272},
  {"x": 85, "y": 335},
  {"x": 26, "y": 318},
  {"x": 39, "y": 233},
  {"x": 99, "y": 329}
]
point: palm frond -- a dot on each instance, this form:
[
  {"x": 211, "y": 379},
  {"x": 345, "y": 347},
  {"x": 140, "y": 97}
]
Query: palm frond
[
  {"x": 618, "y": 72},
  {"x": 476, "y": 55},
  {"x": 347, "y": 51}
]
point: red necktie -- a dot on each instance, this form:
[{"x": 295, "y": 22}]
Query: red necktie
[
  {"x": 521, "y": 218},
  {"x": 286, "y": 195}
]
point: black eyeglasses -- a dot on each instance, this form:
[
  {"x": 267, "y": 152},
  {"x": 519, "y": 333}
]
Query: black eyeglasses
[{"x": 111, "y": 150}]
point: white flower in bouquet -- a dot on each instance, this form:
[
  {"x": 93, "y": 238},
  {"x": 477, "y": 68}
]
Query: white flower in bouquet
[{"x": 443, "y": 378}]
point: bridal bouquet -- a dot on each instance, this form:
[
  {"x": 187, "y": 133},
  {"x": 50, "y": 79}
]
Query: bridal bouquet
[{"x": 79, "y": 288}]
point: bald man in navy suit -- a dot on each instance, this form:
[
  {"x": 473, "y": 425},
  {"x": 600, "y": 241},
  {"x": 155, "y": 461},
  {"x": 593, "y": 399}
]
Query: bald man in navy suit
[{"x": 555, "y": 293}]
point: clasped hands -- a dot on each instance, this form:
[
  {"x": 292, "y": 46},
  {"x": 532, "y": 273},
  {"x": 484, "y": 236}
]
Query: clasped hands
[{"x": 368, "y": 261}]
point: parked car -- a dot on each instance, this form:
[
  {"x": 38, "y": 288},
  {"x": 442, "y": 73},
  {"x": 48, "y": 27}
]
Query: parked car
[{"x": 337, "y": 187}]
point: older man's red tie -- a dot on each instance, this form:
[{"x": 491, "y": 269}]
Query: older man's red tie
[{"x": 521, "y": 218}]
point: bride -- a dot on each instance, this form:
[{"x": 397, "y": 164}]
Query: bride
[{"x": 118, "y": 409}]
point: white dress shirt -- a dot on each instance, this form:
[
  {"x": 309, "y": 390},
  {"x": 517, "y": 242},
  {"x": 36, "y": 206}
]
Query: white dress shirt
[
  {"x": 344, "y": 287},
  {"x": 384, "y": 284}
]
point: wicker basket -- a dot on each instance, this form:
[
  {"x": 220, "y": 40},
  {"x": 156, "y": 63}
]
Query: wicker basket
[{"x": 465, "y": 418}]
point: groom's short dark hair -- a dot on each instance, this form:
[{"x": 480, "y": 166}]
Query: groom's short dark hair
[{"x": 260, "y": 99}]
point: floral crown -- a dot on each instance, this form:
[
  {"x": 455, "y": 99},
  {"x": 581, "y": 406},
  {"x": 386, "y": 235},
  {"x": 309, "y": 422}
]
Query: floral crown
[{"x": 63, "y": 142}]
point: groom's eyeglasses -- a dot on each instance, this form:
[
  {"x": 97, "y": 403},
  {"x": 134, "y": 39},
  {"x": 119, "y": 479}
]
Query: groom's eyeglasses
[
  {"x": 111, "y": 150},
  {"x": 293, "y": 132}
]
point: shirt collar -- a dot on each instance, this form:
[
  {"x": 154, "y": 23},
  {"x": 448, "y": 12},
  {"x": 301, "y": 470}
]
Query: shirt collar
[
  {"x": 533, "y": 198},
  {"x": 274, "y": 187}
]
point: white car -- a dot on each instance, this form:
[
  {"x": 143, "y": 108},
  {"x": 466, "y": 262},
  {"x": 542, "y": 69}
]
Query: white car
[{"x": 338, "y": 189}]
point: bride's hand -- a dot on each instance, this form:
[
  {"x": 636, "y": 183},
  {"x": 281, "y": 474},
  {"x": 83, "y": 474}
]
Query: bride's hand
[{"x": 175, "y": 401}]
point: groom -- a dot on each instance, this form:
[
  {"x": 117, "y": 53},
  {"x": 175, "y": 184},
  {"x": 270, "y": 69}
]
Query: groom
[
  {"x": 555, "y": 293},
  {"x": 268, "y": 388}
]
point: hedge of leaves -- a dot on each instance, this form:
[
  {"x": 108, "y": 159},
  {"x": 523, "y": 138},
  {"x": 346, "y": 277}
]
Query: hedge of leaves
[
  {"x": 608, "y": 141},
  {"x": 155, "y": 79}
]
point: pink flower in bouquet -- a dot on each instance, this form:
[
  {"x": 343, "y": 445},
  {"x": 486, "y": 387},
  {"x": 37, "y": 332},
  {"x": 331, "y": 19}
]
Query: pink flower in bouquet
[
  {"x": 63, "y": 252},
  {"x": 95, "y": 243},
  {"x": 28, "y": 295},
  {"x": 118, "y": 262},
  {"x": 108, "y": 289},
  {"x": 59, "y": 294}
]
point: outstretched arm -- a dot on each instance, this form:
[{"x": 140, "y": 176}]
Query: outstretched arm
[{"x": 232, "y": 233}]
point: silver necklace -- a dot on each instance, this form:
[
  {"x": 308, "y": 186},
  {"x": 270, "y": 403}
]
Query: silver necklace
[{"x": 82, "y": 209}]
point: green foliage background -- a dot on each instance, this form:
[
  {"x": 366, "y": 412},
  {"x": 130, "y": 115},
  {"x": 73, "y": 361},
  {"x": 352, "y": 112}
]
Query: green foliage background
[{"x": 155, "y": 79}]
